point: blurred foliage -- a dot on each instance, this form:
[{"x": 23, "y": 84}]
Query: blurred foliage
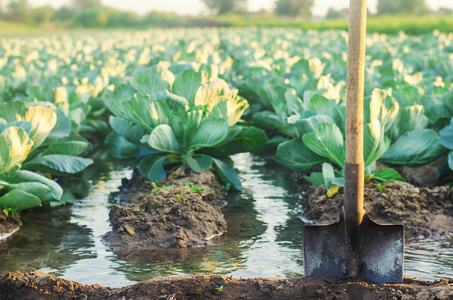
[
  {"x": 18, "y": 15},
  {"x": 221, "y": 7},
  {"x": 396, "y": 7},
  {"x": 293, "y": 8},
  {"x": 333, "y": 14}
]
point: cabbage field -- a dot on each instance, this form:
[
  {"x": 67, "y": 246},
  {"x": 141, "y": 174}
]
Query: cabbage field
[
  {"x": 179, "y": 101},
  {"x": 196, "y": 96}
]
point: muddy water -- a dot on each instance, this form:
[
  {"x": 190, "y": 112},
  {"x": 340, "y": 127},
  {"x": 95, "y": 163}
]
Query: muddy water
[{"x": 264, "y": 237}]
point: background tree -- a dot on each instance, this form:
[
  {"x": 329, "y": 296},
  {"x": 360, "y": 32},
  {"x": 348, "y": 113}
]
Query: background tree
[
  {"x": 333, "y": 14},
  {"x": 293, "y": 8},
  {"x": 63, "y": 14},
  {"x": 221, "y": 7},
  {"x": 86, "y": 4},
  {"x": 93, "y": 18},
  {"x": 409, "y": 7},
  {"x": 42, "y": 14},
  {"x": 19, "y": 10}
]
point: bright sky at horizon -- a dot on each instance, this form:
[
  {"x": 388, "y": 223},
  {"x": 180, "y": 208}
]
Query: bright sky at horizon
[{"x": 193, "y": 7}]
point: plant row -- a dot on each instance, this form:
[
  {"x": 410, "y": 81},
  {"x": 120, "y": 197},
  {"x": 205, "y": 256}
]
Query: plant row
[{"x": 183, "y": 101}]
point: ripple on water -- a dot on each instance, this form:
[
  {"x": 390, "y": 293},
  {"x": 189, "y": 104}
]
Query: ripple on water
[{"x": 264, "y": 236}]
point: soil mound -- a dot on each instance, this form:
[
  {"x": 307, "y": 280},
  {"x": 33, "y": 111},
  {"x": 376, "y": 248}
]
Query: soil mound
[
  {"x": 37, "y": 285},
  {"x": 182, "y": 213},
  {"x": 8, "y": 226},
  {"x": 424, "y": 212}
]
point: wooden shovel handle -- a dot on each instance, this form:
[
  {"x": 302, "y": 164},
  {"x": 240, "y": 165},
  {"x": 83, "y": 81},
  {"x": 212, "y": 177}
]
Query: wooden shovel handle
[
  {"x": 355, "y": 81},
  {"x": 354, "y": 164}
]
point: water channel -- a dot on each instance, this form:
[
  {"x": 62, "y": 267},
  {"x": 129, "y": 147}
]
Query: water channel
[{"x": 264, "y": 237}]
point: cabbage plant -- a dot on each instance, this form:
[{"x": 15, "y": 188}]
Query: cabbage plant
[
  {"x": 35, "y": 141},
  {"x": 185, "y": 120},
  {"x": 320, "y": 140}
]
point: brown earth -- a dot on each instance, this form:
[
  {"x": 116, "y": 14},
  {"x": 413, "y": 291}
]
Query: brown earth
[
  {"x": 185, "y": 212},
  {"x": 8, "y": 225},
  {"x": 424, "y": 212},
  {"x": 37, "y": 285}
]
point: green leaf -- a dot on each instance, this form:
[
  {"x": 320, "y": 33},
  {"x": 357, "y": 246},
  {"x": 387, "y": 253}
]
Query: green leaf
[
  {"x": 295, "y": 155},
  {"x": 227, "y": 174},
  {"x": 147, "y": 113},
  {"x": 450, "y": 160},
  {"x": 163, "y": 138},
  {"x": 267, "y": 120},
  {"x": 328, "y": 174},
  {"x": 77, "y": 116},
  {"x": 191, "y": 123},
  {"x": 210, "y": 133},
  {"x": 446, "y": 136},
  {"x": 22, "y": 124},
  {"x": 19, "y": 200},
  {"x": 119, "y": 147},
  {"x": 13, "y": 111},
  {"x": 387, "y": 174},
  {"x": 204, "y": 161},
  {"x": 315, "y": 178},
  {"x": 73, "y": 145},
  {"x": 15, "y": 145},
  {"x": 113, "y": 100},
  {"x": 412, "y": 118},
  {"x": 151, "y": 167},
  {"x": 324, "y": 106},
  {"x": 187, "y": 84},
  {"x": 193, "y": 164},
  {"x": 62, "y": 128},
  {"x": 67, "y": 197},
  {"x": 199, "y": 163},
  {"x": 375, "y": 144},
  {"x": 245, "y": 139},
  {"x": 434, "y": 108},
  {"x": 37, "y": 189},
  {"x": 148, "y": 80},
  {"x": 58, "y": 164},
  {"x": 327, "y": 141},
  {"x": 100, "y": 126},
  {"x": 54, "y": 193},
  {"x": 338, "y": 181},
  {"x": 414, "y": 149},
  {"x": 127, "y": 130},
  {"x": 298, "y": 127},
  {"x": 274, "y": 141}
]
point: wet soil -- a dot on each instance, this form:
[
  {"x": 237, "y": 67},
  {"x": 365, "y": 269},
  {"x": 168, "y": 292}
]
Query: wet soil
[
  {"x": 38, "y": 285},
  {"x": 424, "y": 212},
  {"x": 8, "y": 226},
  {"x": 180, "y": 213}
]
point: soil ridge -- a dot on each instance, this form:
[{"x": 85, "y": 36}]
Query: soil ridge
[
  {"x": 38, "y": 285},
  {"x": 181, "y": 213},
  {"x": 425, "y": 212}
]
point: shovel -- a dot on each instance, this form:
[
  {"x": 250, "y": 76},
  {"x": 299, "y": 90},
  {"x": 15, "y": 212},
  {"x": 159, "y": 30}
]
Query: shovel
[{"x": 355, "y": 245}]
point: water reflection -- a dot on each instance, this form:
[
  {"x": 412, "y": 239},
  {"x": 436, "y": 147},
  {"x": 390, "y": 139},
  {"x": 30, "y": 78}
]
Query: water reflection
[
  {"x": 254, "y": 244},
  {"x": 49, "y": 241},
  {"x": 429, "y": 259},
  {"x": 264, "y": 237}
]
